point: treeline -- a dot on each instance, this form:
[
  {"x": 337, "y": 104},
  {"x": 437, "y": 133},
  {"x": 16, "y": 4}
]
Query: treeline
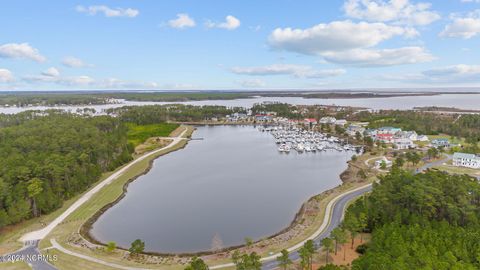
[
  {"x": 467, "y": 126},
  {"x": 163, "y": 113},
  {"x": 51, "y": 99},
  {"x": 177, "y": 96},
  {"x": 422, "y": 221},
  {"x": 282, "y": 109},
  {"x": 47, "y": 159}
]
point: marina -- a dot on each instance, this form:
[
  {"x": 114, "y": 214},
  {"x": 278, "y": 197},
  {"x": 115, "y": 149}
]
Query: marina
[{"x": 289, "y": 137}]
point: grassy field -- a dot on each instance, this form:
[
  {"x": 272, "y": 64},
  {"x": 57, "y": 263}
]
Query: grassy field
[{"x": 138, "y": 134}]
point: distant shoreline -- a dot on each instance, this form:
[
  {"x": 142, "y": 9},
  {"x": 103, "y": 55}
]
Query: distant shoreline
[{"x": 51, "y": 99}]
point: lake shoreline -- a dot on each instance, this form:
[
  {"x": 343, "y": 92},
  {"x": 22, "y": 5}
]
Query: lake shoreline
[{"x": 85, "y": 229}]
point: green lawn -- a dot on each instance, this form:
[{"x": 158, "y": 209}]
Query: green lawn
[
  {"x": 448, "y": 137},
  {"x": 137, "y": 134}
]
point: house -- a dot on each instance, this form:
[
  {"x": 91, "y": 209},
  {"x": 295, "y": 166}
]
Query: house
[
  {"x": 403, "y": 143},
  {"x": 370, "y": 132},
  {"x": 466, "y": 160},
  {"x": 327, "y": 120},
  {"x": 411, "y": 135},
  {"x": 353, "y": 129},
  {"x": 440, "y": 143},
  {"x": 310, "y": 121},
  {"x": 237, "y": 117},
  {"x": 384, "y": 137},
  {"x": 388, "y": 130},
  {"x": 422, "y": 138},
  {"x": 383, "y": 160},
  {"x": 341, "y": 122},
  {"x": 263, "y": 118}
]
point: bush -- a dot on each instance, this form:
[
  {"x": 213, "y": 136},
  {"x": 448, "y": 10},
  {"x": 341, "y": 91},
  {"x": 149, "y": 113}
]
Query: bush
[{"x": 361, "y": 249}]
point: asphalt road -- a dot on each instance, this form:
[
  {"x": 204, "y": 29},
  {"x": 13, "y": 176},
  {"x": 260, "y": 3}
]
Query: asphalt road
[
  {"x": 31, "y": 255},
  {"x": 335, "y": 220}
]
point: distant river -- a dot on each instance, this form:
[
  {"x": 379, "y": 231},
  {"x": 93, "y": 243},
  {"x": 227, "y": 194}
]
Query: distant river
[
  {"x": 234, "y": 183},
  {"x": 462, "y": 101}
]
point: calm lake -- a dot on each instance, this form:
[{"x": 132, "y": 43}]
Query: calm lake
[
  {"x": 233, "y": 183},
  {"x": 462, "y": 101}
]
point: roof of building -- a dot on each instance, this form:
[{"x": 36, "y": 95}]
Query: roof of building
[{"x": 458, "y": 155}]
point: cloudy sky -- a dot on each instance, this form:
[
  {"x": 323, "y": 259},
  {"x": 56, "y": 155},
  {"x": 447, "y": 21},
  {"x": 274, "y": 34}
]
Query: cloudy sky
[{"x": 247, "y": 44}]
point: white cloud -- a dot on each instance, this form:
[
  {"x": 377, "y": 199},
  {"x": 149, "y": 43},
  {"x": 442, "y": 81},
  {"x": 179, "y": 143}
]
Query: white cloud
[
  {"x": 335, "y": 36},
  {"x": 74, "y": 62},
  {"x": 298, "y": 71},
  {"x": 114, "y": 83},
  {"x": 378, "y": 58},
  {"x": 109, "y": 12},
  {"x": 398, "y": 11},
  {"x": 460, "y": 70},
  {"x": 51, "y": 72},
  {"x": 463, "y": 27},
  {"x": 21, "y": 50},
  {"x": 456, "y": 74},
  {"x": 252, "y": 83},
  {"x": 230, "y": 23},
  {"x": 6, "y": 76},
  {"x": 182, "y": 21},
  {"x": 52, "y": 75}
]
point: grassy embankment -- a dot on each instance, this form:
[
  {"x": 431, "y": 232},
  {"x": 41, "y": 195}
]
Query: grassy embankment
[
  {"x": 68, "y": 230},
  {"x": 14, "y": 266}
]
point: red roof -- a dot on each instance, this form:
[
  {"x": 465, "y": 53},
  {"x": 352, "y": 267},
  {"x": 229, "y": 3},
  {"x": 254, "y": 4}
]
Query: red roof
[{"x": 310, "y": 119}]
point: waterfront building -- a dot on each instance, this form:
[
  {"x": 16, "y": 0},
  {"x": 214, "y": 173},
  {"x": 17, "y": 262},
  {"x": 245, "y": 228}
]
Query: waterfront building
[
  {"x": 466, "y": 160},
  {"x": 440, "y": 143}
]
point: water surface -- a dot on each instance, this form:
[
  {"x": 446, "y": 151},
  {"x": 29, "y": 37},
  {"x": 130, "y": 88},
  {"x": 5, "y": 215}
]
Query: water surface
[{"x": 234, "y": 183}]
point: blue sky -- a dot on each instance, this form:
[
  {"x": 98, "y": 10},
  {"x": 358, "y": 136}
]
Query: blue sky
[{"x": 188, "y": 44}]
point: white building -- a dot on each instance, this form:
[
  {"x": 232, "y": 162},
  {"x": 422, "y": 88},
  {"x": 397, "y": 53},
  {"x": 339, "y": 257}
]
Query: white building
[
  {"x": 466, "y": 160},
  {"x": 327, "y": 120},
  {"x": 341, "y": 122},
  {"x": 403, "y": 143},
  {"x": 422, "y": 138}
]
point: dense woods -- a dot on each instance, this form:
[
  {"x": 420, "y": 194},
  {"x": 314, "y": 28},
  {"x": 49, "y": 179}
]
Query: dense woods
[
  {"x": 50, "y": 99},
  {"x": 143, "y": 115},
  {"x": 51, "y": 158},
  {"x": 422, "y": 221}
]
